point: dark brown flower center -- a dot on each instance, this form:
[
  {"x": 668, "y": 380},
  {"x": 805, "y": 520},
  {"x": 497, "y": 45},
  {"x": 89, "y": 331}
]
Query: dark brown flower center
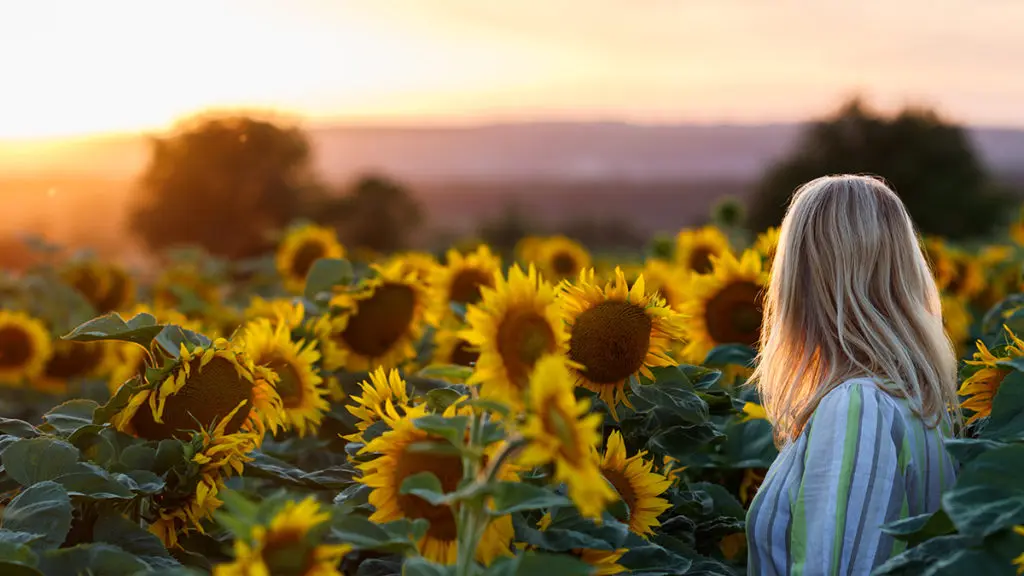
[
  {"x": 465, "y": 288},
  {"x": 523, "y": 337},
  {"x": 623, "y": 487},
  {"x": 210, "y": 393},
  {"x": 74, "y": 360},
  {"x": 88, "y": 283},
  {"x": 307, "y": 253},
  {"x": 463, "y": 354},
  {"x": 700, "y": 259},
  {"x": 565, "y": 265},
  {"x": 116, "y": 296},
  {"x": 289, "y": 384},
  {"x": 734, "y": 315},
  {"x": 448, "y": 469},
  {"x": 381, "y": 320},
  {"x": 15, "y": 347},
  {"x": 284, "y": 552},
  {"x": 611, "y": 341}
]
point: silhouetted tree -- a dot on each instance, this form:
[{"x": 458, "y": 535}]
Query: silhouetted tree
[
  {"x": 378, "y": 214},
  {"x": 929, "y": 162},
  {"x": 223, "y": 183}
]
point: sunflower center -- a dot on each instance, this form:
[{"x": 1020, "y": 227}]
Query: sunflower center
[
  {"x": 623, "y": 487},
  {"x": 465, "y": 288},
  {"x": 734, "y": 314},
  {"x": 700, "y": 260},
  {"x": 307, "y": 253},
  {"x": 283, "y": 552},
  {"x": 448, "y": 469},
  {"x": 381, "y": 320},
  {"x": 523, "y": 337},
  {"x": 210, "y": 393},
  {"x": 15, "y": 347},
  {"x": 289, "y": 383},
  {"x": 116, "y": 295},
  {"x": 611, "y": 341},
  {"x": 463, "y": 354},
  {"x": 564, "y": 264},
  {"x": 74, "y": 361}
]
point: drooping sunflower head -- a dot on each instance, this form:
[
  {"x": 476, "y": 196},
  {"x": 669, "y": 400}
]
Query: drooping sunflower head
[
  {"x": 695, "y": 248},
  {"x": 461, "y": 279},
  {"x": 515, "y": 324},
  {"x": 383, "y": 393},
  {"x": 202, "y": 389},
  {"x": 980, "y": 388},
  {"x": 637, "y": 484},
  {"x": 73, "y": 361},
  {"x": 725, "y": 306},
  {"x": 616, "y": 332},
  {"x": 301, "y": 247},
  {"x": 289, "y": 544},
  {"x": 378, "y": 324},
  {"x": 25, "y": 347},
  {"x": 296, "y": 379},
  {"x": 560, "y": 258},
  {"x": 667, "y": 279},
  {"x": 397, "y": 459},
  {"x": 766, "y": 244}
]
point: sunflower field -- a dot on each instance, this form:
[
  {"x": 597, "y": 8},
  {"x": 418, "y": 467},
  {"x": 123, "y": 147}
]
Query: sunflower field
[{"x": 321, "y": 412}]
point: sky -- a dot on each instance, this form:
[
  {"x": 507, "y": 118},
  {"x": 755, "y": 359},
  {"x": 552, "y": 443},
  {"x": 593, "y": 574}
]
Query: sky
[{"x": 72, "y": 68}]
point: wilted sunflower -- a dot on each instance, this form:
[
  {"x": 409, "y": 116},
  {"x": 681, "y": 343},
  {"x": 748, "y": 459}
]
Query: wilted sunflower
[
  {"x": 616, "y": 332},
  {"x": 288, "y": 545},
  {"x": 957, "y": 321},
  {"x": 638, "y": 486},
  {"x": 383, "y": 391},
  {"x": 72, "y": 361},
  {"x": 378, "y": 324},
  {"x": 564, "y": 432},
  {"x": 981, "y": 387},
  {"x": 302, "y": 390},
  {"x": 766, "y": 244},
  {"x": 694, "y": 248},
  {"x": 301, "y": 247},
  {"x": 603, "y": 562},
  {"x": 450, "y": 348},
  {"x": 396, "y": 461},
  {"x": 24, "y": 347},
  {"x": 667, "y": 279},
  {"x": 515, "y": 324},
  {"x": 200, "y": 389},
  {"x": 725, "y": 307},
  {"x": 460, "y": 280},
  {"x": 560, "y": 258}
]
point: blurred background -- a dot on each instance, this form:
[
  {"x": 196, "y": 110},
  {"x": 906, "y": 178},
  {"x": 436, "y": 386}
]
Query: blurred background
[{"x": 129, "y": 127}]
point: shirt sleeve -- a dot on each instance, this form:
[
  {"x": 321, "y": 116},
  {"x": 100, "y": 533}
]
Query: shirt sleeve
[{"x": 852, "y": 484}]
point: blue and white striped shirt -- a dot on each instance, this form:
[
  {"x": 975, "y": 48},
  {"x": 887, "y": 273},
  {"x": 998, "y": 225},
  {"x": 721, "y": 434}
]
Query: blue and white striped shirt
[{"x": 863, "y": 460}]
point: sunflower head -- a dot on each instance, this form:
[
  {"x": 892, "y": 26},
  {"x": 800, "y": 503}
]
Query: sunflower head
[
  {"x": 301, "y": 247},
  {"x": 283, "y": 310},
  {"x": 527, "y": 249},
  {"x": 561, "y": 258},
  {"x": 384, "y": 393},
  {"x": 450, "y": 348},
  {"x": 602, "y": 562},
  {"x": 956, "y": 318},
  {"x": 965, "y": 277},
  {"x": 667, "y": 279},
  {"x": 205, "y": 387},
  {"x": 89, "y": 278},
  {"x": 766, "y": 244},
  {"x": 461, "y": 279},
  {"x": 184, "y": 278},
  {"x": 638, "y": 485},
  {"x": 725, "y": 306},
  {"x": 295, "y": 377},
  {"x": 25, "y": 347},
  {"x": 73, "y": 361},
  {"x": 422, "y": 265},
  {"x": 695, "y": 248},
  {"x": 616, "y": 332},
  {"x": 986, "y": 376},
  {"x": 514, "y": 325}
]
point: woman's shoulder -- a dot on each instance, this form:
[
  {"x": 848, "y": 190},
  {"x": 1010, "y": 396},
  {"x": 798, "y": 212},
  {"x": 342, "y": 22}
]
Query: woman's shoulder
[{"x": 859, "y": 391}]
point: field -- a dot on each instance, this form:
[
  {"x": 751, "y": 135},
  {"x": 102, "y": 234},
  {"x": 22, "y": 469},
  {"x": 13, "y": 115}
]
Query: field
[{"x": 325, "y": 411}]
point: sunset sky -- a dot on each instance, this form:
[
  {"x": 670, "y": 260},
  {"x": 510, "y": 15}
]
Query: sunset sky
[{"x": 72, "y": 68}]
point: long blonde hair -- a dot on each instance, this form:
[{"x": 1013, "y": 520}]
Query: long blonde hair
[{"x": 851, "y": 295}]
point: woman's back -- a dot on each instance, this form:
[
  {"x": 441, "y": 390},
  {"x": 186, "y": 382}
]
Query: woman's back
[{"x": 806, "y": 519}]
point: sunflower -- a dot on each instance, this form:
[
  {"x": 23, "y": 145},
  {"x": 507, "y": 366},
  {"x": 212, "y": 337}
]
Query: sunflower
[
  {"x": 616, "y": 332},
  {"x": 725, "y": 306},
  {"x": 451, "y": 348},
  {"x": 73, "y": 361},
  {"x": 201, "y": 388},
  {"x": 460, "y": 280},
  {"x": 981, "y": 387},
  {"x": 284, "y": 310},
  {"x": 24, "y": 347},
  {"x": 637, "y": 485},
  {"x": 288, "y": 545},
  {"x": 129, "y": 360},
  {"x": 751, "y": 483},
  {"x": 378, "y": 324},
  {"x": 515, "y": 324},
  {"x": 297, "y": 382},
  {"x": 695, "y": 248},
  {"x": 1004, "y": 275},
  {"x": 1017, "y": 229},
  {"x": 397, "y": 460},
  {"x": 563, "y": 431},
  {"x": 957, "y": 321},
  {"x": 960, "y": 274},
  {"x": 188, "y": 278},
  {"x": 420, "y": 264},
  {"x": 302, "y": 246},
  {"x": 766, "y": 244},
  {"x": 603, "y": 562},
  {"x": 382, "y": 393},
  {"x": 89, "y": 278},
  {"x": 527, "y": 249},
  {"x": 753, "y": 411},
  {"x": 560, "y": 258},
  {"x": 667, "y": 279},
  {"x": 1019, "y": 530}
]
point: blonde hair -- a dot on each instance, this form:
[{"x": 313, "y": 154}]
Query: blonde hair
[{"x": 851, "y": 295}]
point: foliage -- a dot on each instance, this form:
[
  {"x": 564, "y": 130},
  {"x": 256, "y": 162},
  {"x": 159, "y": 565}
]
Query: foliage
[{"x": 376, "y": 214}]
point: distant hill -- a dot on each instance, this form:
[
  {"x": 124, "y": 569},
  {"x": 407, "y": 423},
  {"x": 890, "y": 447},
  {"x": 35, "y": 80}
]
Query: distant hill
[{"x": 579, "y": 152}]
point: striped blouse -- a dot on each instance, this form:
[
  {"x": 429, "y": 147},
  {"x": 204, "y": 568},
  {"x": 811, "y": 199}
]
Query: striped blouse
[{"x": 863, "y": 460}]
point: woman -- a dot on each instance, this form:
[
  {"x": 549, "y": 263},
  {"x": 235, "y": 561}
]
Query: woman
[{"x": 856, "y": 375}]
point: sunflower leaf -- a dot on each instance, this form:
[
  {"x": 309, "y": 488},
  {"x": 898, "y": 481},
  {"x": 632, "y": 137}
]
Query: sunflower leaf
[
  {"x": 18, "y": 428},
  {"x": 33, "y": 460},
  {"x": 43, "y": 509},
  {"x": 509, "y": 497},
  {"x": 454, "y": 372},
  {"x": 988, "y": 496},
  {"x": 324, "y": 275},
  {"x": 427, "y": 486},
  {"x": 488, "y": 405},
  {"x": 112, "y": 528},
  {"x": 452, "y": 429},
  {"x": 680, "y": 441},
  {"x": 440, "y": 399},
  {"x": 539, "y": 564},
  {"x": 730, "y": 354},
  {"x": 101, "y": 560},
  {"x": 68, "y": 417},
  {"x": 419, "y": 566},
  {"x": 395, "y": 537},
  {"x": 1007, "y": 419},
  {"x": 92, "y": 482},
  {"x": 118, "y": 401},
  {"x": 171, "y": 338},
  {"x": 140, "y": 329}
]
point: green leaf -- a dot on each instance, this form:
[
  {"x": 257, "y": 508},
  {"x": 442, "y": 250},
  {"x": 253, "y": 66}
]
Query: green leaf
[
  {"x": 141, "y": 481},
  {"x": 453, "y": 372},
  {"x": 361, "y": 532},
  {"x": 138, "y": 457},
  {"x": 43, "y": 509},
  {"x": 452, "y": 429},
  {"x": 917, "y": 529},
  {"x": 489, "y": 406},
  {"x": 18, "y": 428},
  {"x": 12, "y": 537},
  {"x": 118, "y": 401},
  {"x": 730, "y": 354},
  {"x": 653, "y": 559},
  {"x": 325, "y": 274},
  {"x": 71, "y": 415},
  {"x": 945, "y": 555},
  {"x": 509, "y": 497},
  {"x": 141, "y": 329},
  {"x": 112, "y": 528},
  {"x": 680, "y": 441},
  {"x": 1007, "y": 419},
  {"x": 94, "y": 483},
  {"x": 95, "y": 559},
  {"x": 171, "y": 338},
  {"x": 723, "y": 502},
  {"x": 439, "y": 448},
  {"x": 37, "y": 459},
  {"x": 673, "y": 401},
  {"x": 419, "y": 566},
  {"x": 440, "y": 399},
  {"x": 988, "y": 495},
  {"x": 424, "y": 385},
  {"x": 426, "y": 486},
  {"x": 17, "y": 569},
  {"x": 539, "y": 564}
]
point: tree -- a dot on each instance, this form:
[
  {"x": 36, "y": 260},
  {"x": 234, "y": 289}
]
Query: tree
[
  {"x": 223, "y": 183},
  {"x": 377, "y": 214},
  {"x": 930, "y": 163}
]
